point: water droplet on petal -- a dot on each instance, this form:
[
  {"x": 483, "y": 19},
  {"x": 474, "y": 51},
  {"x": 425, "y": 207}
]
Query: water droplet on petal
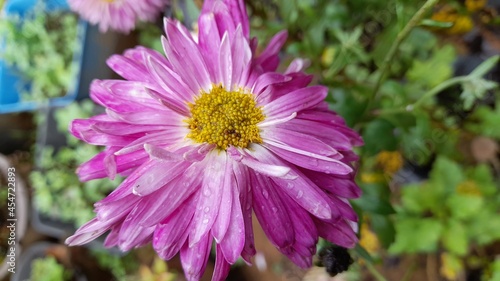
[
  {"x": 265, "y": 194},
  {"x": 299, "y": 194},
  {"x": 207, "y": 192},
  {"x": 275, "y": 210},
  {"x": 205, "y": 221},
  {"x": 289, "y": 185},
  {"x": 207, "y": 209}
]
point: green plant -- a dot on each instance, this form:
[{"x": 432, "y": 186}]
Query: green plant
[
  {"x": 58, "y": 191},
  {"x": 48, "y": 269},
  {"x": 455, "y": 211},
  {"x": 122, "y": 267},
  {"x": 39, "y": 46},
  {"x": 388, "y": 68}
]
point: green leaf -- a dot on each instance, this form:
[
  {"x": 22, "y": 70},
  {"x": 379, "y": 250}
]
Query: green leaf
[
  {"x": 411, "y": 199},
  {"x": 447, "y": 173},
  {"x": 482, "y": 176},
  {"x": 475, "y": 89},
  {"x": 378, "y": 136},
  {"x": 375, "y": 199},
  {"x": 349, "y": 103},
  {"x": 435, "y": 70},
  {"x": 436, "y": 24},
  {"x": 495, "y": 269},
  {"x": 374, "y": 205},
  {"x": 416, "y": 235},
  {"x": 415, "y": 140},
  {"x": 484, "y": 227},
  {"x": 484, "y": 121},
  {"x": 455, "y": 238},
  {"x": 384, "y": 228},
  {"x": 485, "y": 66},
  {"x": 464, "y": 206}
]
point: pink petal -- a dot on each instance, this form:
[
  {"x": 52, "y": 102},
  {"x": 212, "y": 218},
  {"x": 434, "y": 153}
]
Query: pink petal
[
  {"x": 210, "y": 196},
  {"x": 271, "y": 212},
  {"x": 297, "y": 65},
  {"x": 343, "y": 187},
  {"x": 225, "y": 63},
  {"x": 185, "y": 57},
  {"x": 241, "y": 57},
  {"x": 311, "y": 161},
  {"x": 300, "y": 189},
  {"x": 242, "y": 178},
  {"x": 160, "y": 204},
  {"x": 222, "y": 267},
  {"x": 194, "y": 258},
  {"x": 300, "y": 143},
  {"x": 234, "y": 239},
  {"x": 226, "y": 210},
  {"x": 269, "y": 59},
  {"x": 171, "y": 234},
  {"x": 158, "y": 176},
  {"x": 339, "y": 233},
  {"x": 170, "y": 81},
  {"x": 295, "y": 101}
]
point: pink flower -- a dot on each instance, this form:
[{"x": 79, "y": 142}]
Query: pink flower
[
  {"x": 209, "y": 134},
  {"x": 119, "y": 15}
]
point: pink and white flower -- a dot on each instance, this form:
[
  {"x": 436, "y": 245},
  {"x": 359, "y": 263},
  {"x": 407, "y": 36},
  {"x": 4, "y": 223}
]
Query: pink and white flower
[
  {"x": 210, "y": 134},
  {"x": 118, "y": 15}
]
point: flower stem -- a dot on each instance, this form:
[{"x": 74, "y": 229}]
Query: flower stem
[
  {"x": 414, "y": 21},
  {"x": 375, "y": 272}
]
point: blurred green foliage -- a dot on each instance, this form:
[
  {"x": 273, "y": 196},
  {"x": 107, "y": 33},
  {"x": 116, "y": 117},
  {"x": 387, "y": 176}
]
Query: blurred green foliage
[
  {"x": 58, "y": 191},
  {"x": 48, "y": 269},
  {"x": 39, "y": 47},
  {"x": 406, "y": 116}
]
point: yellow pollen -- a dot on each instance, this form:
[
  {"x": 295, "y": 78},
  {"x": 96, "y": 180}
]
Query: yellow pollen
[{"x": 225, "y": 118}]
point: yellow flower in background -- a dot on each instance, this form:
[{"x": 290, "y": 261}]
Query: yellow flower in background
[
  {"x": 461, "y": 23},
  {"x": 368, "y": 240},
  {"x": 469, "y": 188},
  {"x": 390, "y": 161},
  {"x": 158, "y": 271},
  {"x": 475, "y": 5},
  {"x": 372, "y": 177},
  {"x": 451, "y": 266},
  {"x": 328, "y": 56}
]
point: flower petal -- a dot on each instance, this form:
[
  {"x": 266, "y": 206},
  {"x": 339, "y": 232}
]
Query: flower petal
[
  {"x": 294, "y": 102},
  {"x": 271, "y": 212},
  {"x": 210, "y": 196},
  {"x": 195, "y": 257},
  {"x": 225, "y": 210}
]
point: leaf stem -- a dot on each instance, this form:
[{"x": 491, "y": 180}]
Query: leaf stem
[
  {"x": 414, "y": 21},
  {"x": 432, "y": 92}
]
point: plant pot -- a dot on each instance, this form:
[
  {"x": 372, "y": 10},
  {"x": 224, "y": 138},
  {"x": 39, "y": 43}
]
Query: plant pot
[
  {"x": 21, "y": 212},
  {"x": 38, "y": 250},
  {"x": 10, "y": 81}
]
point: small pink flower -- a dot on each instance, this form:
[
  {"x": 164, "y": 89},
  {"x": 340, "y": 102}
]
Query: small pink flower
[
  {"x": 209, "y": 134},
  {"x": 119, "y": 15}
]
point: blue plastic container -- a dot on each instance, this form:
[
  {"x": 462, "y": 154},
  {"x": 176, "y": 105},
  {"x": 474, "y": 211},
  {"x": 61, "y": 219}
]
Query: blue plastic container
[{"x": 9, "y": 82}]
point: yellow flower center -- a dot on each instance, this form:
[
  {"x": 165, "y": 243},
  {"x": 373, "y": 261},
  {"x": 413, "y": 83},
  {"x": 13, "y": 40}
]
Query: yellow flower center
[{"x": 225, "y": 118}]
